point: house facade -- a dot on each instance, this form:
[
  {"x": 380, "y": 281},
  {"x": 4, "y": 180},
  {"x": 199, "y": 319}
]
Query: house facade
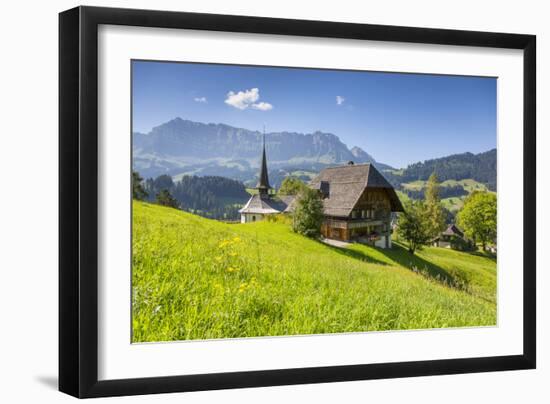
[{"x": 357, "y": 204}]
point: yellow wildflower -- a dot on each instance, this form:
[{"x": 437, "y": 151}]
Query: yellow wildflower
[
  {"x": 236, "y": 239},
  {"x": 224, "y": 243}
]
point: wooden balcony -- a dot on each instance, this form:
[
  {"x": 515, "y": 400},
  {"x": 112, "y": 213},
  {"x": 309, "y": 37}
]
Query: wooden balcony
[{"x": 356, "y": 223}]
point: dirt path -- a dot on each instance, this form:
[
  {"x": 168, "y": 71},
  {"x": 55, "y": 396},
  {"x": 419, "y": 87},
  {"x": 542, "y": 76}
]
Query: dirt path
[{"x": 335, "y": 243}]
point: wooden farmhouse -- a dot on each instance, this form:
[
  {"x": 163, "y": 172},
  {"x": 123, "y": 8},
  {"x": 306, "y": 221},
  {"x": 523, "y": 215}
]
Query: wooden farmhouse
[{"x": 357, "y": 204}]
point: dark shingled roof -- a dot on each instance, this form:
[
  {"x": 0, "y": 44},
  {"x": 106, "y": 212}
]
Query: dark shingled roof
[
  {"x": 346, "y": 185},
  {"x": 288, "y": 200},
  {"x": 267, "y": 204},
  {"x": 453, "y": 230}
]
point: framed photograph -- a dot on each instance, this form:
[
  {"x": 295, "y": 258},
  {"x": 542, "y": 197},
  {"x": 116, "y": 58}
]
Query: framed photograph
[{"x": 252, "y": 202}]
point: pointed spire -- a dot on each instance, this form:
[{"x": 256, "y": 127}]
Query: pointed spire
[{"x": 263, "y": 180}]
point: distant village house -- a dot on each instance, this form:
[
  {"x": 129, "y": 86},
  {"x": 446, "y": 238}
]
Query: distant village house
[{"x": 452, "y": 237}]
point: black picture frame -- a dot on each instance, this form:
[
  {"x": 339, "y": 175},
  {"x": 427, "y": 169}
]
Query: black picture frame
[{"x": 78, "y": 201}]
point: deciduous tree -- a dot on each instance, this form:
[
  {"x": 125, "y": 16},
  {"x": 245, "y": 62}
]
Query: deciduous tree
[
  {"x": 308, "y": 213},
  {"x": 412, "y": 225},
  {"x": 291, "y": 186},
  {"x": 435, "y": 214},
  {"x": 478, "y": 217}
]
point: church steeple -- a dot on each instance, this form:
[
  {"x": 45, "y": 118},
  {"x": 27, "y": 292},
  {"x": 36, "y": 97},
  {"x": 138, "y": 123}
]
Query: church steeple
[{"x": 263, "y": 186}]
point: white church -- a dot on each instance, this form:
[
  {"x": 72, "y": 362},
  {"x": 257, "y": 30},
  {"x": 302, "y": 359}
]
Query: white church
[{"x": 264, "y": 203}]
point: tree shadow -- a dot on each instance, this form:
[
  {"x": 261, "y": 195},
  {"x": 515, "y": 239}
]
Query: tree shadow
[
  {"x": 488, "y": 255},
  {"x": 401, "y": 256},
  {"x": 354, "y": 254}
]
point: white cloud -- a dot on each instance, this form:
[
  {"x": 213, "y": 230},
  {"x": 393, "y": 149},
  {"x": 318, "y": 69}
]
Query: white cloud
[
  {"x": 247, "y": 99},
  {"x": 340, "y": 100},
  {"x": 200, "y": 99},
  {"x": 242, "y": 99},
  {"x": 262, "y": 106}
]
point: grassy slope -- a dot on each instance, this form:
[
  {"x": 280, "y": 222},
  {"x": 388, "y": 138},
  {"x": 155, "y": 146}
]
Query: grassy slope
[
  {"x": 468, "y": 184},
  {"x": 414, "y": 185},
  {"x": 454, "y": 203},
  {"x": 403, "y": 197},
  {"x": 195, "y": 278},
  {"x": 310, "y": 174}
]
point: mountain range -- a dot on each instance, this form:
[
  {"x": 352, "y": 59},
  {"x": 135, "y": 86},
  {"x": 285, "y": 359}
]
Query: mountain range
[{"x": 182, "y": 147}]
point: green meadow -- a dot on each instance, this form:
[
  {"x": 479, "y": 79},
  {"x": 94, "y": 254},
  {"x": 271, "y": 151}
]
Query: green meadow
[
  {"x": 195, "y": 278},
  {"x": 455, "y": 203}
]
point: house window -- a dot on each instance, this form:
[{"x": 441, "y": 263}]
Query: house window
[
  {"x": 354, "y": 214},
  {"x": 253, "y": 218},
  {"x": 363, "y": 214}
]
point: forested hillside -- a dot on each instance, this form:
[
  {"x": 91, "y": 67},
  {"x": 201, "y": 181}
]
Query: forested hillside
[
  {"x": 480, "y": 167},
  {"x": 210, "y": 196}
]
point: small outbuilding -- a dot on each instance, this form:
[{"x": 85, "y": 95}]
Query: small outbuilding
[{"x": 452, "y": 237}]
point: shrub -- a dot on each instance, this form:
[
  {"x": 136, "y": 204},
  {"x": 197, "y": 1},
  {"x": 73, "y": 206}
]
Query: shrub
[{"x": 308, "y": 213}]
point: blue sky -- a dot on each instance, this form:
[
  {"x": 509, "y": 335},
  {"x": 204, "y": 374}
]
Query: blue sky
[{"x": 397, "y": 118}]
